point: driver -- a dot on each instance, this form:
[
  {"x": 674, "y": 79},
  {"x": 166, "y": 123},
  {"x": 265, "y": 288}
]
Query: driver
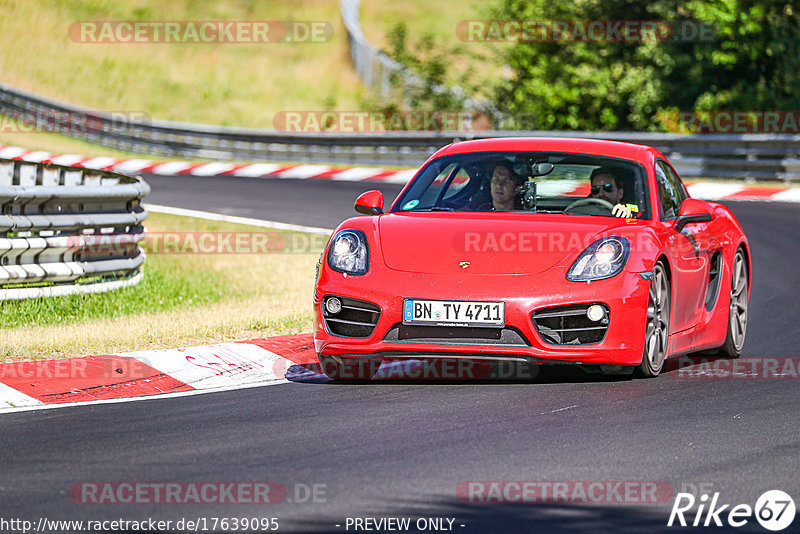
[{"x": 607, "y": 185}]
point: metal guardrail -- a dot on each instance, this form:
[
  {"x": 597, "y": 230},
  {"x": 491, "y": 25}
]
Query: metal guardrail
[
  {"x": 375, "y": 67},
  {"x": 736, "y": 157},
  {"x": 66, "y": 230}
]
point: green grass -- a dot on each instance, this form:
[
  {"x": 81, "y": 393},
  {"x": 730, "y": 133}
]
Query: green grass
[
  {"x": 164, "y": 287},
  {"x": 234, "y": 84},
  {"x": 226, "y": 84},
  {"x": 184, "y": 299}
]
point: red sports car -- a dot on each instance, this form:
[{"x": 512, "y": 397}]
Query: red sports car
[{"x": 541, "y": 250}]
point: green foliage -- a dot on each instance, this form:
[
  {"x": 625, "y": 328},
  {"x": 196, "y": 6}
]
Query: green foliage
[
  {"x": 431, "y": 61},
  {"x": 745, "y": 55},
  {"x": 574, "y": 85},
  {"x": 752, "y": 64}
]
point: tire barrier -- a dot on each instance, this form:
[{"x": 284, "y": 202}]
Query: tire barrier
[{"x": 66, "y": 230}]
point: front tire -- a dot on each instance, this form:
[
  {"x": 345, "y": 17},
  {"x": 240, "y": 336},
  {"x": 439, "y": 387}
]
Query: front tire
[
  {"x": 342, "y": 368},
  {"x": 737, "y": 313},
  {"x": 656, "y": 339}
]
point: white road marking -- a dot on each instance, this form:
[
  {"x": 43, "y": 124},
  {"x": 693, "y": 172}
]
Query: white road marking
[
  {"x": 237, "y": 220},
  {"x": 214, "y": 366},
  {"x": 211, "y": 169},
  {"x": 400, "y": 177},
  {"x": 356, "y": 174},
  {"x": 711, "y": 191},
  {"x": 303, "y": 171},
  {"x": 67, "y": 159},
  {"x": 132, "y": 165},
  {"x": 172, "y": 167},
  {"x": 560, "y": 409},
  {"x": 36, "y": 156},
  {"x": 99, "y": 162},
  {"x": 789, "y": 195},
  {"x": 11, "y": 152},
  {"x": 11, "y": 399},
  {"x": 133, "y": 399},
  {"x": 257, "y": 170}
]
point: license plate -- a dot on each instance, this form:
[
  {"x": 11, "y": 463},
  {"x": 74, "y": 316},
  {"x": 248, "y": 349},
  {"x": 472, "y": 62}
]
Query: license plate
[{"x": 454, "y": 313}]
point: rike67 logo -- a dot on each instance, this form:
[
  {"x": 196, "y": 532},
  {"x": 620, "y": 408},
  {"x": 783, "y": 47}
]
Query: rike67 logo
[{"x": 774, "y": 510}]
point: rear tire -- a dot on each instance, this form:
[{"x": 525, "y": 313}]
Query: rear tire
[
  {"x": 737, "y": 312},
  {"x": 656, "y": 338},
  {"x": 342, "y": 368}
]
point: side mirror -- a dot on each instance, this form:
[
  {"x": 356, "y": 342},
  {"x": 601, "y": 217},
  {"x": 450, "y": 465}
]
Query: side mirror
[
  {"x": 370, "y": 203},
  {"x": 693, "y": 211}
]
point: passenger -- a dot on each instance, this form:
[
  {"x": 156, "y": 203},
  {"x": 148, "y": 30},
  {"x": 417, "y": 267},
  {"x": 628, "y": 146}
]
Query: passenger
[{"x": 504, "y": 188}]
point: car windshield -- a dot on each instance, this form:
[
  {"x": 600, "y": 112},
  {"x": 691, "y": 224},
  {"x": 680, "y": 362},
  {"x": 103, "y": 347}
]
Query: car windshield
[{"x": 528, "y": 182}]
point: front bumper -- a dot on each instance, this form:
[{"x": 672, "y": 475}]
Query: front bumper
[{"x": 625, "y": 296}]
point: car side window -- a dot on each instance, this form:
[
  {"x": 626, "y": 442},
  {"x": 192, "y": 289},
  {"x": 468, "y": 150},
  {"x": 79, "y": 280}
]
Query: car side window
[
  {"x": 432, "y": 192},
  {"x": 460, "y": 181},
  {"x": 671, "y": 192}
]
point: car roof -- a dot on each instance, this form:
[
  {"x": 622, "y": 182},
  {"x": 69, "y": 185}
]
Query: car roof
[{"x": 599, "y": 147}]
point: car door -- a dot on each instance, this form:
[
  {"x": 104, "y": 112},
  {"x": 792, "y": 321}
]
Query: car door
[{"x": 688, "y": 250}]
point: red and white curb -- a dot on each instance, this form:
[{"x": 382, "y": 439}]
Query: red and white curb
[
  {"x": 40, "y": 384},
  {"x": 253, "y": 170},
  {"x": 163, "y": 373},
  {"x": 166, "y": 373},
  {"x": 703, "y": 190}
]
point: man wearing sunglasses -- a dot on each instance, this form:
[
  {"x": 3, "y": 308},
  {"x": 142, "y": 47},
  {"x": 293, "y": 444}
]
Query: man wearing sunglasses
[{"x": 607, "y": 186}]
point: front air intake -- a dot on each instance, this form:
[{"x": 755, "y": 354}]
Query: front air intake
[
  {"x": 572, "y": 325},
  {"x": 354, "y": 318}
]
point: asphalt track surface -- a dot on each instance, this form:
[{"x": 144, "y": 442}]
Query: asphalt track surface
[{"x": 400, "y": 449}]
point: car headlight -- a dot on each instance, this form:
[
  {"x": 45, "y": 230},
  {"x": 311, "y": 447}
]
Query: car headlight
[
  {"x": 348, "y": 252},
  {"x": 602, "y": 259}
]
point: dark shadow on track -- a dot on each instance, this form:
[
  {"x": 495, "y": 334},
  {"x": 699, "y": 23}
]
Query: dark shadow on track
[
  {"x": 538, "y": 518},
  {"x": 449, "y": 372}
]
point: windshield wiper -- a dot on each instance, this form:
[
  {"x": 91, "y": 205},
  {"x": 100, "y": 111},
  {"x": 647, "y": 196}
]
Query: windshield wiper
[{"x": 432, "y": 208}]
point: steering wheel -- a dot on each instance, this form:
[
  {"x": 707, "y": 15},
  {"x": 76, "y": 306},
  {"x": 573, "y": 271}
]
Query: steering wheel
[{"x": 588, "y": 201}]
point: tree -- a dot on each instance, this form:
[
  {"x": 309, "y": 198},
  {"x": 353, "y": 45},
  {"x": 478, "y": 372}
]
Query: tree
[{"x": 706, "y": 54}]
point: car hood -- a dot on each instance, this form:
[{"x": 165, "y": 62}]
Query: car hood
[{"x": 486, "y": 243}]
